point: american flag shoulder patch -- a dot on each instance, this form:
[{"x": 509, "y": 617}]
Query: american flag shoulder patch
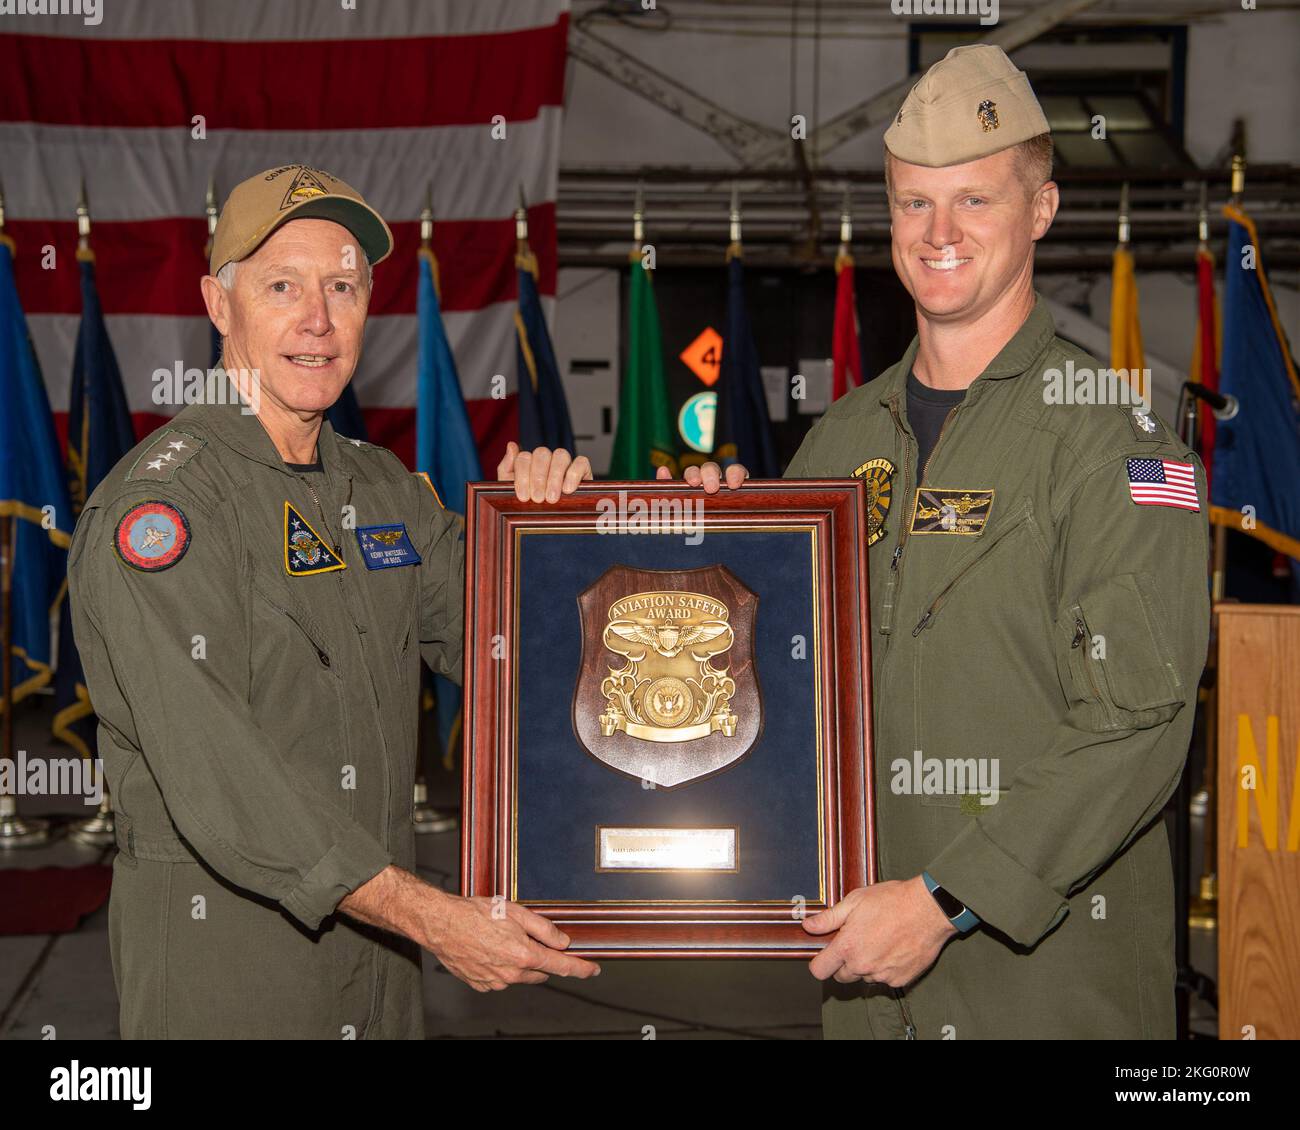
[{"x": 1163, "y": 482}]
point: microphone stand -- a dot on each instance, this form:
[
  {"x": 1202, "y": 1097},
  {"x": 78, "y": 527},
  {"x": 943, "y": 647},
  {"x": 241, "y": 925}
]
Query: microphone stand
[{"x": 1189, "y": 982}]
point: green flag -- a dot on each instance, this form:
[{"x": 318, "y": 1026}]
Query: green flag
[{"x": 645, "y": 429}]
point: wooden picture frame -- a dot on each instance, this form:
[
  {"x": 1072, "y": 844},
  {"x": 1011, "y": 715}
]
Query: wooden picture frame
[{"x": 503, "y": 613}]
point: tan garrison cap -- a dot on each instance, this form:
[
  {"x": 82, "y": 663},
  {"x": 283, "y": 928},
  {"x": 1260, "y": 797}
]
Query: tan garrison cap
[
  {"x": 259, "y": 205},
  {"x": 971, "y": 103}
]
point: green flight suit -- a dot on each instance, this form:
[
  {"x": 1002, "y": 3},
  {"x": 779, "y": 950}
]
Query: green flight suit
[
  {"x": 1062, "y": 630},
  {"x": 258, "y": 728}
]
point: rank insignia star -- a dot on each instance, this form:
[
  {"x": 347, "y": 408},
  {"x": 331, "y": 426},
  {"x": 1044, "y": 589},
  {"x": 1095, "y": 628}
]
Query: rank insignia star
[{"x": 160, "y": 461}]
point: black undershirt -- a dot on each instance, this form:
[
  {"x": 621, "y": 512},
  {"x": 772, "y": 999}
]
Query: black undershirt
[
  {"x": 927, "y": 409},
  {"x": 317, "y": 466}
]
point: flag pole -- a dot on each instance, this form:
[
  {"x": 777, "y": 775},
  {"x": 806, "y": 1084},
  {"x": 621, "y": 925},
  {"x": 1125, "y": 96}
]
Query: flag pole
[
  {"x": 1219, "y": 572},
  {"x": 15, "y": 831},
  {"x": 1203, "y": 910},
  {"x": 734, "y": 246},
  {"x": 427, "y": 819},
  {"x": 97, "y": 830},
  {"x": 212, "y": 213}
]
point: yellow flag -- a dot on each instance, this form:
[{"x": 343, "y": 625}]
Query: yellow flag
[{"x": 1125, "y": 326}]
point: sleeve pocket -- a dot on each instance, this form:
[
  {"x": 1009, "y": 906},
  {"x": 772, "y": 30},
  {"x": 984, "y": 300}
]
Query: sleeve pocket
[{"x": 1119, "y": 659}]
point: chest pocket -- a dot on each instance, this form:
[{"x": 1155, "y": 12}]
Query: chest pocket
[
  {"x": 1014, "y": 535},
  {"x": 296, "y": 691},
  {"x": 1118, "y": 662},
  {"x": 391, "y": 595}
]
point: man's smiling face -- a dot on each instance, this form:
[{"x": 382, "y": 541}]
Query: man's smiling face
[
  {"x": 297, "y": 313},
  {"x": 963, "y": 235}
]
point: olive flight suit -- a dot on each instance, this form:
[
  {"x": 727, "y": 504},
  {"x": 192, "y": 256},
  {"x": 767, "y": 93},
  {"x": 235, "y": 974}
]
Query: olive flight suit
[
  {"x": 257, "y": 719},
  {"x": 1040, "y": 602}
]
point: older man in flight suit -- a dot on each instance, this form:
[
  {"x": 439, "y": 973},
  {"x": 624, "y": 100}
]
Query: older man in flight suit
[
  {"x": 252, "y": 594},
  {"x": 1038, "y": 601}
]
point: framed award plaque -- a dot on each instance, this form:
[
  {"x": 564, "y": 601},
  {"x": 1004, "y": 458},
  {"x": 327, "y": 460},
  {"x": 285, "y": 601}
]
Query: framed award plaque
[{"x": 667, "y": 712}]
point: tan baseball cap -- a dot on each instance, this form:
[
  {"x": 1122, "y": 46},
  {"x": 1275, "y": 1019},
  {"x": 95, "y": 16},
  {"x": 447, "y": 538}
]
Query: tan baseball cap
[
  {"x": 971, "y": 103},
  {"x": 259, "y": 205}
]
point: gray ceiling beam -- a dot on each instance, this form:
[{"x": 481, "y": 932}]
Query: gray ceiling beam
[
  {"x": 876, "y": 109},
  {"x": 738, "y": 136}
]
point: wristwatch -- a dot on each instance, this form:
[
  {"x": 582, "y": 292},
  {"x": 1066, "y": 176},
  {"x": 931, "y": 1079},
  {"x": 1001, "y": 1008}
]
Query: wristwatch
[{"x": 954, "y": 910}]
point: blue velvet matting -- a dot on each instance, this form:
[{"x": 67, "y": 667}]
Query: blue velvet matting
[{"x": 771, "y": 795}]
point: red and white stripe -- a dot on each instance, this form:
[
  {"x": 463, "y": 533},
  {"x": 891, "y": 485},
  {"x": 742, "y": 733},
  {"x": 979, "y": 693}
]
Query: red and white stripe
[
  {"x": 391, "y": 97},
  {"x": 1178, "y": 489}
]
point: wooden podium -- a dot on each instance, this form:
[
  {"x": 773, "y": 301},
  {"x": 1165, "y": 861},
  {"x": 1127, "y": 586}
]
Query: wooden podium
[{"x": 1259, "y": 820}]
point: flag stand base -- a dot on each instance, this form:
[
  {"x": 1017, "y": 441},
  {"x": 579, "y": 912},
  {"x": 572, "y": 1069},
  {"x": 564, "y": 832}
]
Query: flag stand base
[
  {"x": 19, "y": 832},
  {"x": 97, "y": 830}
]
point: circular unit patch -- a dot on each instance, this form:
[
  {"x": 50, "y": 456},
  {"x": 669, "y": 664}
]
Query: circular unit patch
[{"x": 152, "y": 535}]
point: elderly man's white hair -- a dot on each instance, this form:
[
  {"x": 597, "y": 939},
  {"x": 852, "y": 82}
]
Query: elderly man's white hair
[{"x": 226, "y": 276}]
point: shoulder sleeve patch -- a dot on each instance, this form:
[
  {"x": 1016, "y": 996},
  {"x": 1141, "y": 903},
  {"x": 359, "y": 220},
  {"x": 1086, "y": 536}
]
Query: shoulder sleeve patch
[
  {"x": 152, "y": 536},
  {"x": 160, "y": 461},
  {"x": 429, "y": 483}
]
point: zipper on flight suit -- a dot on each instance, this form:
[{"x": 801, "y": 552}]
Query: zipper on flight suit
[
  {"x": 909, "y": 1029},
  {"x": 338, "y": 549},
  {"x": 939, "y": 600},
  {"x": 887, "y": 603},
  {"x": 370, "y": 681},
  {"x": 1080, "y": 634}
]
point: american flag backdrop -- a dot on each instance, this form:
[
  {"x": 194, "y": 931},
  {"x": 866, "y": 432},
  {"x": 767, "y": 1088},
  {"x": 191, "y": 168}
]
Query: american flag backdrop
[{"x": 161, "y": 95}]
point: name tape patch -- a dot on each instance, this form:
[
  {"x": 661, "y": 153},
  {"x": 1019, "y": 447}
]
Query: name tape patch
[
  {"x": 940, "y": 511},
  {"x": 386, "y": 547}
]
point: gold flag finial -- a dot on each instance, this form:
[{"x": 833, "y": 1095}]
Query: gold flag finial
[
  {"x": 426, "y": 219},
  {"x": 83, "y": 226},
  {"x": 210, "y": 208},
  {"x": 521, "y": 217},
  {"x": 734, "y": 244},
  {"x": 1238, "y": 176}
]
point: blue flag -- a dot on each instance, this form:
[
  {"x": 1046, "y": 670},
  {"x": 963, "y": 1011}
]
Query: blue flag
[
  {"x": 1257, "y": 452},
  {"x": 345, "y": 415},
  {"x": 444, "y": 450},
  {"x": 31, "y": 479},
  {"x": 744, "y": 431},
  {"x": 444, "y": 441},
  {"x": 100, "y": 432},
  {"x": 543, "y": 410}
]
